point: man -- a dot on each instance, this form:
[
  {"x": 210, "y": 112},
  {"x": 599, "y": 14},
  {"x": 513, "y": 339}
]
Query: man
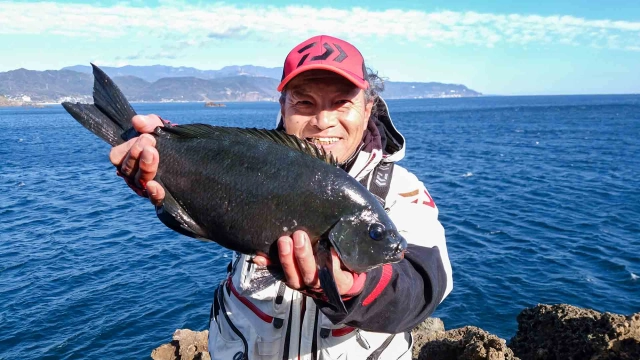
[{"x": 328, "y": 98}]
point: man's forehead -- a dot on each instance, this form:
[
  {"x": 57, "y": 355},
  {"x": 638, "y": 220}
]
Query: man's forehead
[{"x": 319, "y": 80}]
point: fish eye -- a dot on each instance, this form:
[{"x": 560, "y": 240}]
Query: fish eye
[{"x": 376, "y": 231}]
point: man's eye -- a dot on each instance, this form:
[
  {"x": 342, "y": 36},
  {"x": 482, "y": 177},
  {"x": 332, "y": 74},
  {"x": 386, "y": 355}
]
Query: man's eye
[{"x": 304, "y": 102}]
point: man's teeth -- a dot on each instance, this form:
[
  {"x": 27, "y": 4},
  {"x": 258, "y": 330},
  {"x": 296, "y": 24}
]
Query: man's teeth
[{"x": 324, "y": 140}]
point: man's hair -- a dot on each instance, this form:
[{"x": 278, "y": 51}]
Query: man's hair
[
  {"x": 376, "y": 86},
  {"x": 372, "y": 93}
]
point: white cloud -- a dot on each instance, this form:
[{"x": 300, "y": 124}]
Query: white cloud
[{"x": 194, "y": 26}]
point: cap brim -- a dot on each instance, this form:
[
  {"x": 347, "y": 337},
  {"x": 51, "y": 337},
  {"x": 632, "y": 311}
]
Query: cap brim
[{"x": 356, "y": 80}]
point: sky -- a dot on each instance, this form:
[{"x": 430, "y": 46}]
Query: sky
[{"x": 542, "y": 47}]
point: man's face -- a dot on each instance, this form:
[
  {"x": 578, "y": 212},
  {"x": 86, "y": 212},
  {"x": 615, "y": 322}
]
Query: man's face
[{"x": 327, "y": 109}]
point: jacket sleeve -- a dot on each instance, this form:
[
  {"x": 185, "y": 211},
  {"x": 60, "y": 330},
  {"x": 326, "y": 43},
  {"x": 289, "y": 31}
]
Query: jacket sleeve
[{"x": 397, "y": 297}]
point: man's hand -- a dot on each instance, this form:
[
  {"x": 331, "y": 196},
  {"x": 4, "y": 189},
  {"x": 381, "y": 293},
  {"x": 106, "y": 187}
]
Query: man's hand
[
  {"x": 137, "y": 159},
  {"x": 299, "y": 264}
]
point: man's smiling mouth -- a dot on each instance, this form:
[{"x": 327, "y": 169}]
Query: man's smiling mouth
[{"x": 323, "y": 140}]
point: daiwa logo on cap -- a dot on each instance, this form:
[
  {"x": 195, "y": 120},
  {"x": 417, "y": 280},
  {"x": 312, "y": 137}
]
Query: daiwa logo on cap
[
  {"x": 325, "y": 53},
  {"x": 324, "y": 56}
]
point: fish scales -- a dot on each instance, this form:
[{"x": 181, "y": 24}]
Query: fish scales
[{"x": 247, "y": 192}]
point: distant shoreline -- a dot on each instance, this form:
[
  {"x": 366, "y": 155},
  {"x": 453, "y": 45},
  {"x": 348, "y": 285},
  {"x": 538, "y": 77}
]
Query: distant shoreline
[{"x": 6, "y": 103}]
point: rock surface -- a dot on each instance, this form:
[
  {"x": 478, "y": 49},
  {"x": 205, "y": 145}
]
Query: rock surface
[
  {"x": 553, "y": 332},
  {"x": 569, "y": 332},
  {"x": 467, "y": 343},
  {"x": 186, "y": 345}
]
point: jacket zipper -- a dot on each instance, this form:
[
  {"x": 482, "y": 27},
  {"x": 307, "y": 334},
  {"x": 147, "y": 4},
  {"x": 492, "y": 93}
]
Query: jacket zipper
[
  {"x": 278, "y": 322},
  {"x": 314, "y": 343},
  {"x": 361, "y": 340},
  {"x": 287, "y": 338},
  {"x": 303, "y": 310}
]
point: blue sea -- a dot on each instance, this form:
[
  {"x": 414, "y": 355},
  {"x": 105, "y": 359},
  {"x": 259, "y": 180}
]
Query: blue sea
[{"x": 539, "y": 196}]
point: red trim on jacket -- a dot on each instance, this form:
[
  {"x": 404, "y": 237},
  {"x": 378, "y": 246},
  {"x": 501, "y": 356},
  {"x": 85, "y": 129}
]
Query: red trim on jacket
[
  {"x": 387, "y": 271},
  {"x": 430, "y": 203},
  {"x": 342, "y": 331},
  {"x": 259, "y": 313}
]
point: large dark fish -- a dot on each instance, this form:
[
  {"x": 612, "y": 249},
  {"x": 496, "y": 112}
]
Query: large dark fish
[{"x": 244, "y": 188}]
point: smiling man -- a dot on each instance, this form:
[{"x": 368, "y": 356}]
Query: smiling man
[
  {"x": 328, "y": 98},
  {"x": 326, "y": 109}
]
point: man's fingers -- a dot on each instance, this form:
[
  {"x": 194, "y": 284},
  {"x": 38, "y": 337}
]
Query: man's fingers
[
  {"x": 305, "y": 259},
  {"x": 261, "y": 260},
  {"x": 142, "y": 124},
  {"x": 155, "y": 192},
  {"x": 342, "y": 276},
  {"x": 285, "y": 252},
  {"x": 130, "y": 162},
  {"x": 118, "y": 153},
  {"x": 148, "y": 165},
  {"x": 146, "y": 123}
]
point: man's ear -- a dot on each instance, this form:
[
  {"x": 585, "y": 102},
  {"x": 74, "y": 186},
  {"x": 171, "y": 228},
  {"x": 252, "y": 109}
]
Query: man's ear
[
  {"x": 367, "y": 110},
  {"x": 282, "y": 102}
]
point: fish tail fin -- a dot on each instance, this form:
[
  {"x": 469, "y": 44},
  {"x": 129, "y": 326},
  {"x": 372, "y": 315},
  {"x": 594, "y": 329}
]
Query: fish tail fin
[{"x": 110, "y": 115}]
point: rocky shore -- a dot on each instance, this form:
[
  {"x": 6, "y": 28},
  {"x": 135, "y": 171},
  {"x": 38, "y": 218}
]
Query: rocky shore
[
  {"x": 554, "y": 332},
  {"x": 4, "y": 102}
]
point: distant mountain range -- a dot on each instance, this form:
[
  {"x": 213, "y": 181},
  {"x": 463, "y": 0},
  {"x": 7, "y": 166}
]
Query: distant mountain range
[
  {"x": 157, "y": 72},
  {"x": 160, "y": 83}
]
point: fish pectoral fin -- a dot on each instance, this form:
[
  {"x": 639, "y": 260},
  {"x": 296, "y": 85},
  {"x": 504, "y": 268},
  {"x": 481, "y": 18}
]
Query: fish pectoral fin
[
  {"x": 177, "y": 219},
  {"x": 325, "y": 275}
]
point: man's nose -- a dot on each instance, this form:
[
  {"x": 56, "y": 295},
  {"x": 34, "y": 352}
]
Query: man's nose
[{"x": 325, "y": 119}]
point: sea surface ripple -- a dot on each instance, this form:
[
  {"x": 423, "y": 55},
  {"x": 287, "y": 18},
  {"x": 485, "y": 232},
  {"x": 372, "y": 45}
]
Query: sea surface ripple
[{"x": 539, "y": 197}]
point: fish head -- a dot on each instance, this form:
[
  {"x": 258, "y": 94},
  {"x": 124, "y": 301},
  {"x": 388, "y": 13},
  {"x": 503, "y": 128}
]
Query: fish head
[{"x": 366, "y": 240}]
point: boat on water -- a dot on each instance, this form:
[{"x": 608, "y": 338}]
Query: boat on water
[{"x": 213, "y": 104}]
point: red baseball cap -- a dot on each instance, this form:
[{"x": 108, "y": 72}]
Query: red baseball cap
[{"x": 325, "y": 52}]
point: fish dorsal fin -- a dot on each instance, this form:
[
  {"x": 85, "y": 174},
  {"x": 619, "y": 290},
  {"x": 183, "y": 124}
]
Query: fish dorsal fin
[{"x": 204, "y": 131}]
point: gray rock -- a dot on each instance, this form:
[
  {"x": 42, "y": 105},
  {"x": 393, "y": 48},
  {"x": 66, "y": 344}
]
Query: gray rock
[
  {"x": 569, "y": 332},
  {"x": 186, "y": 345},
  {"x": 467, "y": 343}
]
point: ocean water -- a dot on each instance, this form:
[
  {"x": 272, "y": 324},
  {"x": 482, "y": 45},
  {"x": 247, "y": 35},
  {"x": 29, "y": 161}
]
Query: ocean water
[{"x": 539, "y": 196}]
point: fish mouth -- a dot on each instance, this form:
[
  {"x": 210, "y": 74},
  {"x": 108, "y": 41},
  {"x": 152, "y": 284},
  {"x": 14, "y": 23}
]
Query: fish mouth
[
  {"x": 395, "y": 257},
  {"x": 396, "y": 252}
]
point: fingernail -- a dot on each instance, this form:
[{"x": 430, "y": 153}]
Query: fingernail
[
  {"x": 146, "y": 157},
  {"x": 144, "y": 118},
  {"x": 285, "y": 247},
  {"x": 299, "y": 241},
  {"x": 139, "y": 144}
]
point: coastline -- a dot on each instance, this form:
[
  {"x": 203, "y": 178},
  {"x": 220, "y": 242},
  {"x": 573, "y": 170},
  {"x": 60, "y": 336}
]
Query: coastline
[
  {"x": 6, "y": 103},
  {"x": 17, "y": 103}
]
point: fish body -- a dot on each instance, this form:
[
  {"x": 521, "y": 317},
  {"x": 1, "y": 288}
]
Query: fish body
[{"x": 245, "y": 188}]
